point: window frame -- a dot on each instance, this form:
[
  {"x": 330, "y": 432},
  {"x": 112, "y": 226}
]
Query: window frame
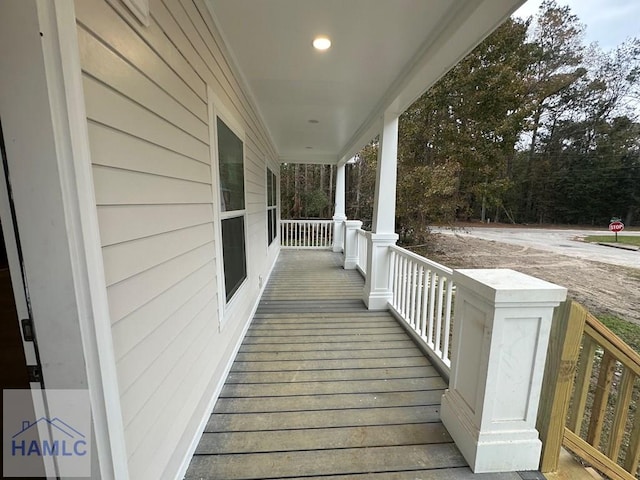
[
  {"x": 272, "y": 179},
  {"x": 218, "y": 111}
]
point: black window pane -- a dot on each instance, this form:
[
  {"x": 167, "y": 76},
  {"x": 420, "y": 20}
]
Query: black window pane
[
  {"x": 269, "y": 188},
  {"x": 230, "y": 161},
  {"x": 235, "y": 266},
  {"x": 270, "y": 225}
]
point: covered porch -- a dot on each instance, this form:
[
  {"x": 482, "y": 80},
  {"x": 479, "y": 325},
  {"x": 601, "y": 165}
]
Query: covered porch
[{"x": 324, "y": 388}]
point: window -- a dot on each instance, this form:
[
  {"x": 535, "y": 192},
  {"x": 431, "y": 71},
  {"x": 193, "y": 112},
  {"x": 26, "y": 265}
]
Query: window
[
  {"x": 272, "y": 202},
  {"x": 232, "y": 208}
]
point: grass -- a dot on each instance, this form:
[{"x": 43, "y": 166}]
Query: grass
[
  {"x": 627, "y": 331},
  {"x": 628, "y": 240}
]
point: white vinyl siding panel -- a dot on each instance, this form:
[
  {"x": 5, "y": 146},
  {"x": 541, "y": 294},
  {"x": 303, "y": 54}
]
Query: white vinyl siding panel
[
  {"x": 147, "y": 110},
  {"x": 105, "y": 66},
  {"x": 112, "y": 148},
  {"x": 110, "y": 108},
  {"x": 132, "y": 329},
  {"x": 126, "y": 260},
  {"x": 120, "y": 223}
]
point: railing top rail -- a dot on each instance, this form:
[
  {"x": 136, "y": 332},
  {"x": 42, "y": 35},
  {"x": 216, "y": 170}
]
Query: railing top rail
[
  {"x": 311, "y": 220},
  {"x": 611, "y": 342},
  {"x": 424, "y": 261}
]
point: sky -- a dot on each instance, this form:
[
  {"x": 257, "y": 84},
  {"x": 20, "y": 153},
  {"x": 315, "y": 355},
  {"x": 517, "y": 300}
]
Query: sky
[{"x": 608, "y": 22}]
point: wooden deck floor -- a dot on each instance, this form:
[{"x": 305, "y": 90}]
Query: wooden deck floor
[{"x": 323, "y": 389}]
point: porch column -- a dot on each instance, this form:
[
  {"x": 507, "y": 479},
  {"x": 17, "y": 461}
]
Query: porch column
[
  {"x": 501, "y": 330},
  {"x": 351, "y": 243},
  {"x": 377, "y": 287},
  {"x": 339, "y": 214}
]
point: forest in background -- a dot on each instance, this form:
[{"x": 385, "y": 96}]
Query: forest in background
[{"x": 533, "y": 126}]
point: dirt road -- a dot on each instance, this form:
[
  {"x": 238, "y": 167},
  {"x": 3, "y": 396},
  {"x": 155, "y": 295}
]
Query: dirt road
[{"x": 602, "y": 288}]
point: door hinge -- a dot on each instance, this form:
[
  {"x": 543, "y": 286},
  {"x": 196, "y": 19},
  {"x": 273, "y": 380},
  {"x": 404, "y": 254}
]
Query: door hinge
[
  {"x": 27, "y": 330},
  {"x": 35, "y": 373}
]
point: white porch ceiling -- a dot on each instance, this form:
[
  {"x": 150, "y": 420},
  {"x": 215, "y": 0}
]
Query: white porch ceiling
[{"x": 384, "y": 55}]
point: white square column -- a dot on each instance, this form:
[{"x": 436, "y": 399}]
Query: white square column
[
  {"x": 339, "y": 213},
  {"x": 501, "y": 330},
  {"x": 377, "y": 287},
  {"x": 351, "y": 243}
]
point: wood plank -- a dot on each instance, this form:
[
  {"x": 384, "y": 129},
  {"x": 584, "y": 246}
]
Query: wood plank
[
  {"x": 600, "y": 399},
  {"x": 632, "y": 457},
  {"x": 323, "y": 439},
  {"x": 327, "y": 338},
  {"x": 289, "y": 420},
  {"x": 111, "y": 108},
  {"x": 622, "y": 411},
  {"x": 356, "y": 401},
  {"x": 451, "y": 473},
  {"x": 279, "y": 366},
  {"x": 624, "y": 353},
  {"x": 322, "y": 346},
  {"x": 113, "y": 148},
  {"x": 306, "y": 329},
  {"x": 109, "y": 68},
  {"x": 364, "y": 316},
  {"x": 343, "y": 374},
  {"x": 411, "y": 350},
  {"x": 562, "y": 358},
  {"x": 599, "y": 460},
  {"x": 329, "y": 388},
  {"x": 326, "y": 462},
  {"x": 121, "y": 223},
  {"x": 582, "y": 382}
]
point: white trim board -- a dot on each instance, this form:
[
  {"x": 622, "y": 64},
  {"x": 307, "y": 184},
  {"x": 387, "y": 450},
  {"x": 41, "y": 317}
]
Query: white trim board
[{"x": 55, "y": 210}]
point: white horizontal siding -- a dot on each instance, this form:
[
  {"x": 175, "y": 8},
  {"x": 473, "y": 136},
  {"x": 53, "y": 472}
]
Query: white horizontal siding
[
  {"x": 177, "y": 362},
  {"x": 107, "y": 67},
  {"x": 134, "y": 292},
  {"x": 110, "y": 108},
  {"x": 132, "y": 329},
  {"x": 99, "y": 18},
  {"x": 120, "y": 223},
  {"x": 116, "y": 187},
  {"x": 144, "y": 368},
  {"x": 112, "y": 148},
  {"x": 128, "y": 259},
  {"x": 146, "y": 99}
]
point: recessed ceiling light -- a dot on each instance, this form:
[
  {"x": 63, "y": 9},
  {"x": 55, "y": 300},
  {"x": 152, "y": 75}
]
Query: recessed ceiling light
[
  {"x": 314, "y": 121},
  {"x": 321, "y": 43}
]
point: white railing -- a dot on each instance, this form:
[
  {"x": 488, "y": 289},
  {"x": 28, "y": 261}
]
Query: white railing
[
  {"x": 423, "y": 294},
  {"x": 306, "y": 233},
  {"x": 362, "y": 245}
]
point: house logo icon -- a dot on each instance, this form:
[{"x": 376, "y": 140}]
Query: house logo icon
[{"x": 63, "y": 440}]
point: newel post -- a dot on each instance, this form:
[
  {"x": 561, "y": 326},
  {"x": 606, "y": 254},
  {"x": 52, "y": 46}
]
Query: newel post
[
  {"x": 501, "y": 328},
  {"x": 351, "y": 243},
  {"x": 562, "y": 359},
  {"x": 339, "y": 215}
]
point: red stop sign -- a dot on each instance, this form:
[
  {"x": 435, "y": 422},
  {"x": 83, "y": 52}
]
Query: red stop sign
[{"x": 616, "y": 226}]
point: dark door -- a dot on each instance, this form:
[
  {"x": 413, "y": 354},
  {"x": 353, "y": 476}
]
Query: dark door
[{"x": 19, "y": 366}]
